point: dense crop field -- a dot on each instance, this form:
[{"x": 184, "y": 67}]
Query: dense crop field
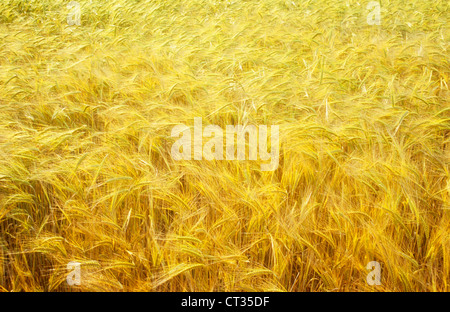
[{"x": 87, "y": 174}]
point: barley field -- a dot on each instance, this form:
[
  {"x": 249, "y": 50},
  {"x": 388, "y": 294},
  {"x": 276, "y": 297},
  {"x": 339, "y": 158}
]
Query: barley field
[{"x": 87, "y": 175}]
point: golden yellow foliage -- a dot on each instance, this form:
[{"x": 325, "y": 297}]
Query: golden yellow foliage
[{"x": 86, "y": 173}]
